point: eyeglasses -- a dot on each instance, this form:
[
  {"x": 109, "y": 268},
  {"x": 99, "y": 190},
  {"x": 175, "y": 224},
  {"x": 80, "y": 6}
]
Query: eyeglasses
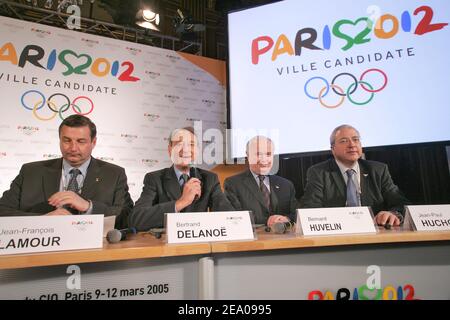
[{"x": 355, "y": 140}]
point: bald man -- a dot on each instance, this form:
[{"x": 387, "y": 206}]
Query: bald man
[{"x": 271, "y": 198}]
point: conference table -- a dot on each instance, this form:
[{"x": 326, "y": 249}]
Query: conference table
[{"x": 400, "y": 264}]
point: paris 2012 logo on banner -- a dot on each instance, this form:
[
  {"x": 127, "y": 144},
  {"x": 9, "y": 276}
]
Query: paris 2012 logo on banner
[{"x": 57, "y": 104}]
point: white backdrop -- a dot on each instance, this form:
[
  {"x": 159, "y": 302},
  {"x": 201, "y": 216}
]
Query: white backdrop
[
  {"x": 410, "y": 71},
  {"x": 133, "y": 118}
]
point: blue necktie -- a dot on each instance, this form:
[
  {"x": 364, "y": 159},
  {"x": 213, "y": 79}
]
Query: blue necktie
[{"x": 352, "y": 194}]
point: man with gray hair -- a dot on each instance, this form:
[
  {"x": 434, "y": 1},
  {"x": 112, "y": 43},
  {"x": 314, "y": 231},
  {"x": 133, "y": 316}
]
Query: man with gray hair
[
  {"x": 348, "y": 180},
  {"x": 271, "y": 198},
  {"x": 180, "y": 188}
]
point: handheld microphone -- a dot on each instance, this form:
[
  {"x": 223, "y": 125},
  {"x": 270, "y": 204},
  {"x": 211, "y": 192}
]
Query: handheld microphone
[
  {"x": 282, "y": 227},
  {"x": 193, "y": 173},
  {"x": 115, "y": 235}
]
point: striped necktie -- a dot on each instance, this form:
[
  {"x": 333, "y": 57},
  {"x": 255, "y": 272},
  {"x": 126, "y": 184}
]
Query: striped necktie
[{"x": 265, "y": 191}]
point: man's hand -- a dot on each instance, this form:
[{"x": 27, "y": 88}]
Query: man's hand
[
  {"x": 386, "y": 217},
  {"x": 191, "y": 189},
  {"x": 59, "y": 212},
  {"x": 276, "y": 218},
  {"x": 70, "y": 198}
]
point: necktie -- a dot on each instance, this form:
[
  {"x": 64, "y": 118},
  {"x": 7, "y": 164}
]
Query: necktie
[
  {"x": 73, "y": 186},
  {"x": 183, "y": 179},
  {"x": 265, "y": 192},
  {"x": 352, "y": 193},
  {"x": 73, "y": 183}
]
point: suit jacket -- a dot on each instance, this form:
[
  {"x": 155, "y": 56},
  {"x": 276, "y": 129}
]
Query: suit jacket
[
  {"x": 105, "y": 185},
  {"x": 243, "y": 192},
  {"x": 161, "y": 191},
  {"x": 325, "y": 187}
]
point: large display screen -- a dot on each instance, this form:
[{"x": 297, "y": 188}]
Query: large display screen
[{"x": 298, "y": 69}]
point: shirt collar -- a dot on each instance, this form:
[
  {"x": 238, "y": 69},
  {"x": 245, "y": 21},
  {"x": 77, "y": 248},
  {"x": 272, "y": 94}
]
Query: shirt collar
[
  {"x": 343, "y": 168},
  {"x": 83, "y": 168},
  {"x": 178, "y": 173},
  {"x": 256, "y": 176}
]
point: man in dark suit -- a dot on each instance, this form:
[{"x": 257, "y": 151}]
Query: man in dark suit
[
  {"x": 74, "y": 184},
  {"x": 180, "y": 188},
  {"x": 271, "y": 198},
  {"x": 350, "y": 181}
]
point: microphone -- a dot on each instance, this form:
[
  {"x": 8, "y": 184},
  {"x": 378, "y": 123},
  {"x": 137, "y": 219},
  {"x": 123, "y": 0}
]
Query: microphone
[
  {"x": 115, "y": 235},
  {"x": 193, "y": 173},
  {"x": 157, "y": 232},
  {"x": 282, "y": 227}
]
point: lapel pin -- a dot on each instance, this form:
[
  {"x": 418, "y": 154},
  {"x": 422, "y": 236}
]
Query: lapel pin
[
  {"x": 97, "y": 179},
  {"x": 365, "y": 175},
  {"x": 278, "y": 187}
]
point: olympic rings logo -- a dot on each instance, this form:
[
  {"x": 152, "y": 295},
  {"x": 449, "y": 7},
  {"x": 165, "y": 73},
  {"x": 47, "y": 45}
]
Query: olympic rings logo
[
  {"x": 350, "y": 90},
  {"x": 55, "y": 108}
]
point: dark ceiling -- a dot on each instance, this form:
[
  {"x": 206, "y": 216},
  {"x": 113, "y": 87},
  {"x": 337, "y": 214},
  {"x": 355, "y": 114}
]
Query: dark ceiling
[{"x": 210, "y": 13}]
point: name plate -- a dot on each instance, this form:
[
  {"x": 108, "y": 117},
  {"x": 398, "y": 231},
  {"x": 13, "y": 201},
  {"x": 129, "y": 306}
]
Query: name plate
[
  {"x": 45, "y": 234},
  {"x": 335, "y": 221},
  {"x": 430, "y": 218},
  {"x": 197, "y": 227}
]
